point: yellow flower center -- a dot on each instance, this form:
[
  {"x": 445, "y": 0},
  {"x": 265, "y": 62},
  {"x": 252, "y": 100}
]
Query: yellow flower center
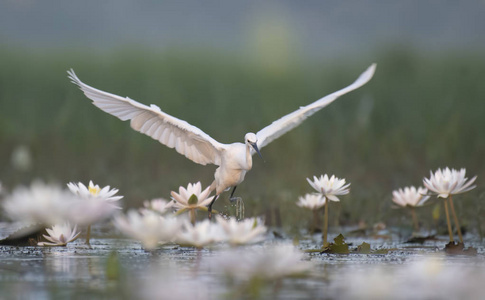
[{"x": 94, "y": 190}]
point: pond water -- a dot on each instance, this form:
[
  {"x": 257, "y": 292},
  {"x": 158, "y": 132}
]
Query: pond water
[{"x": 117, "y": 268}]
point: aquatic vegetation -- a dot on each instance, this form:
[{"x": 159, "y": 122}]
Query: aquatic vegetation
[
  {"x": 411, "y": 197},
  {"x": 329, "y": 188},
  {"x": 445, "y": 183},
  {"x": 60, "y": 235},
  {"x": 149, "y": 228},
  {"x": 247, "y": 231}
]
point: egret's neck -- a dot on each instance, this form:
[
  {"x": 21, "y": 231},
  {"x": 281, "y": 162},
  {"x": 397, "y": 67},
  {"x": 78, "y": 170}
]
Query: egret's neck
[{"x": 249, "y": 157}]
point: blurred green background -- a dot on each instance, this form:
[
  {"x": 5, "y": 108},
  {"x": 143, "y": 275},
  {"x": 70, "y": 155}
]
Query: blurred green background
[{"x": 424, "y": 108}]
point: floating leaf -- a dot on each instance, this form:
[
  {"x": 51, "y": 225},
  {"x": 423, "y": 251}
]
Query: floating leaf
[
  {"x": 364, "y": 248},
  {"x": 339, "y": 247}
]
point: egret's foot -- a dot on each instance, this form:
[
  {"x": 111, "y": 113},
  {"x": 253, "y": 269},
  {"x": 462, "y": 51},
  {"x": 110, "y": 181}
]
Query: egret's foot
[{"x": 234, "y": 199}]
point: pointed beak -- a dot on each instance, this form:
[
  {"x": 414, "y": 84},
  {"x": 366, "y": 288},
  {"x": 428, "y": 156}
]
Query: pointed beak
[{"x": 255, "y": 147}]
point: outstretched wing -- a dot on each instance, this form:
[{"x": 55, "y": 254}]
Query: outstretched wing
[
  {"x": 150, "y": 120},
  {"x": 290, "y": 121}
]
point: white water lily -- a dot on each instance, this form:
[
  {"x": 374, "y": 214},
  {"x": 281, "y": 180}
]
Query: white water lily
[
  {"x": 94, "y": 191},
  {"x": 329, "y": 187},
  {"x": 160, "y": 206},
  {"x": 410, "y": 196},
  {"x": 448, "y": 182},
  {"x": 200, "y": 235},
  {"x": 149, "y": 228},
  {"x": 60, "y": 235},
  {"x": 268, "y": 263},
  {"x": 247, "y": 231},
  {"x": 40, "y": 203},
  {"x": 184, "y": 197},
  {"x": 311, "y": 201}
]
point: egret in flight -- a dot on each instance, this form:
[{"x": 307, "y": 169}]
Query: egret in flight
[{"x": 233, "y": 160}]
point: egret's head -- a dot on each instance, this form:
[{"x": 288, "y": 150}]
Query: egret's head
[
  {"x": 250, "y": 138},
  {"x": 252, "y": 141}
]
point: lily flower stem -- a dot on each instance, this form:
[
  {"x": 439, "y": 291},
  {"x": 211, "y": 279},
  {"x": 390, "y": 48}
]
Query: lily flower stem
[
  {"x": 325, "y": 225},
  {"x": 88, "y": 235},
  {"x": 457, "y": 224},
  {"x": 192, "y": 213},
  {"x": 415, "y": 219},
  {"x": 450, "y": 232}
]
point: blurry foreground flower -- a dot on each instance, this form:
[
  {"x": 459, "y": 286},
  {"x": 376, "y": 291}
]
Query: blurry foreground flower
[
  {"x": 150, "y": 228},
  {"x": 247, "y": 231},
  {"x": 330, "y": 188},
  {"x": 445, "y": 183},
  {"x": 427, "y": 277},
  {"x": 191, "y": 199},
  {"x": 411, "y": 197},
  {"x": 60, "y": 235},
  {"x": 40, "y": 203},
  {"x": 267, "y": 263},
  {"x": 200, "y": 235},
  {"x": 160, "y": 206}
]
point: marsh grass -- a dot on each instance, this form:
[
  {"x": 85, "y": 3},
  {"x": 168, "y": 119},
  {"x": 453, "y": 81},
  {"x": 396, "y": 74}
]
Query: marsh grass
[{"x": 418, "y": 113}]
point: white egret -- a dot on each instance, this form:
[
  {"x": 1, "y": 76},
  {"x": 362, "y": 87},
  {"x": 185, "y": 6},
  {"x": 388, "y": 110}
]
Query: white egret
[{"x": 233, "y": 160}]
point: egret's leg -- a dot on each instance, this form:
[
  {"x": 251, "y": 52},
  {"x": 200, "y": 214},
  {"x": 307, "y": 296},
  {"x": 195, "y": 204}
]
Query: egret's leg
[
  {"x": 209, "y": 207},
  {"x": 232, "y": 194}
]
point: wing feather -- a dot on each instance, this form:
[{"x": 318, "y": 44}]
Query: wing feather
[
  {"x": 152, "y": 121},
  {"x": 292, "y": 120}
]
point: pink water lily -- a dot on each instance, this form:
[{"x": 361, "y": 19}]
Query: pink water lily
[{"x": 60, "y": 235}]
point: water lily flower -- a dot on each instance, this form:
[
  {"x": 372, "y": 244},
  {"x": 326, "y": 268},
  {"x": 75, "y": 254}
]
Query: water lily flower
[
  {"x": 200, "y": 235},
  {"x": 150, "y": 228},
  {"x": 329, "y": 187},
  {"x": 95, "y": 209},
  {"x": 160, "y": 206},
  {"x": 40, "y": 203},
  {"x": 60, "y": 235},
  {"x": 448, "y": 182},
  {"x": 410, "y": 196},
  {"x": 247, "y": 231},
  {"x": 268, "y": 263},
  {"x": 191, "y": 199},
  {"x": 184, "y": 199},
  {"x": 312, "y": 201},
  {"x": 94, "y": 191},
  {"x": 445, "y": 183}
]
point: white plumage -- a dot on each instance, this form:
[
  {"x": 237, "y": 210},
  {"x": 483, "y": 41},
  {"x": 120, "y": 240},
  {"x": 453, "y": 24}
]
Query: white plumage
[{"x": 234, "y": 160}]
